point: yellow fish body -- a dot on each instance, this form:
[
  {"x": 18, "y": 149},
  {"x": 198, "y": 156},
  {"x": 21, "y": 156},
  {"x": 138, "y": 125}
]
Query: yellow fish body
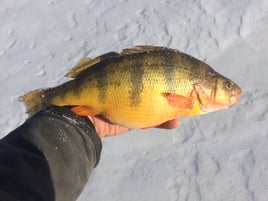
[{"x": 141, "y": 87}]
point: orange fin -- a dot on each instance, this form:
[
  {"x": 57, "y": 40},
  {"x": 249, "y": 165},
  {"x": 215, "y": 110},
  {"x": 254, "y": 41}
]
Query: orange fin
[
  {"x": 83, "y": 111},
  {"x": 176, "y": 100}
]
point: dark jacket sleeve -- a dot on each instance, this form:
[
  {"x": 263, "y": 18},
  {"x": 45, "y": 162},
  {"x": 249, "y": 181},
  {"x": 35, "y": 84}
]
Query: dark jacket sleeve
[{"x": 49, "y": 158}]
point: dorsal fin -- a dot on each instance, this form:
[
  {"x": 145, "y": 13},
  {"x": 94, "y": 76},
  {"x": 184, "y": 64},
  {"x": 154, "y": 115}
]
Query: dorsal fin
[
  {"x": 144, "y": 48},
  {"x": 87, "y": 62},
  {"x": 82, "y": 65}
]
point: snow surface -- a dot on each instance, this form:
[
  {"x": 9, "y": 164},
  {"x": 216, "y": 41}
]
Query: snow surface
[{"x": 222, "y": 156}]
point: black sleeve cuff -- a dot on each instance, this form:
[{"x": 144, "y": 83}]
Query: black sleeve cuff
[
  {"x": 82, "y": 122},
  {"x": 49, "y": 156}
]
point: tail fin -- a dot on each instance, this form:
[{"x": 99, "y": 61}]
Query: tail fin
[{"x": 34, "y": 101}]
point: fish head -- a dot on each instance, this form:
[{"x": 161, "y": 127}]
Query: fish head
[
  {"x": 227, "y": 92},
  {"x": 217, "y": 92}
]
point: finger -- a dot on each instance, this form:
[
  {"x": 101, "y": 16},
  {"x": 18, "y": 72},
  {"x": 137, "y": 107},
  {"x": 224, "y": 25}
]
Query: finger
[{"x": 105, "y": 128}]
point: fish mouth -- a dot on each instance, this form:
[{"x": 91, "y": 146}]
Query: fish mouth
[
  {"x": 217, "y": 106},
  {"x": 214, "y": 107},
  {"x": 235, "y": 96},
  {"x": 234, "y": 100}
]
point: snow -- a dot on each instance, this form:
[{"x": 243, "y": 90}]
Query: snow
[{"x": 221, "y": 156}]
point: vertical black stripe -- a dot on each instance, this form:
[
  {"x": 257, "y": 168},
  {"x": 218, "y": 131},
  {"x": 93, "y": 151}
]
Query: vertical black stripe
[
  {"x": 102, "y": 82},
  {"x": 192, "y": 65},
  {"x": 169, "y": 70},
  {"x": 136, "y": 76}
]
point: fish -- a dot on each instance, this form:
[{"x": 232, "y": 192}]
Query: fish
[{"x": 140, "y": 87}]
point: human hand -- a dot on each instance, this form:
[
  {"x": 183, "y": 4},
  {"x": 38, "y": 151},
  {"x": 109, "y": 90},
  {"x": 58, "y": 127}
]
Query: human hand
[{"x": 105, "y": 128}]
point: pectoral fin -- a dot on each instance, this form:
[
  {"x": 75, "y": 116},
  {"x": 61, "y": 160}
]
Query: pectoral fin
[
  {"x": 178, "y": 101},
  {"x": 83, "y": 111}
]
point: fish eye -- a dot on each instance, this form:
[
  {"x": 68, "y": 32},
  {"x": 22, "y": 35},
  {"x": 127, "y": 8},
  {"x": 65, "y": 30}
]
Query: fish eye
[{"x": 228, "y": 84}]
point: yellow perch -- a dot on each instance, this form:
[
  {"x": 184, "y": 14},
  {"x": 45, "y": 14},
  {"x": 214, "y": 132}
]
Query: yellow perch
[{"x": 141, "y": 87}]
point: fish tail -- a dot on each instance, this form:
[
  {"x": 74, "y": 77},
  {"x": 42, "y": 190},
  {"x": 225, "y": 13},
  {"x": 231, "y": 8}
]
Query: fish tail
[{"x": 35, "y": 101}]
